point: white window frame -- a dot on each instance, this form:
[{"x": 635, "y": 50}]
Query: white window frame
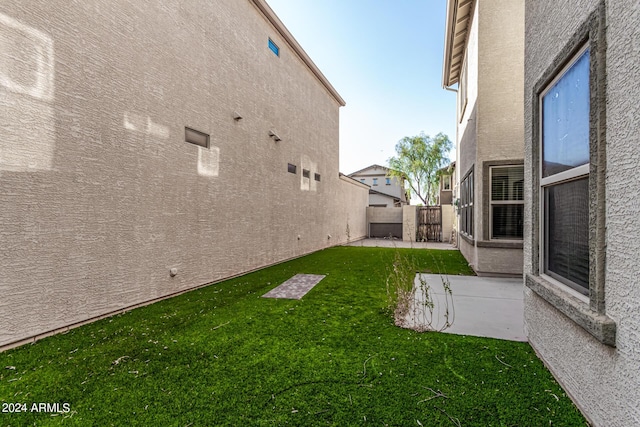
[
  {"x": 445, "y": 179},
  {"x": 501, "y": 202},
  {"x": 466, "y": 204},
  {"x": 578, "y": 172}
]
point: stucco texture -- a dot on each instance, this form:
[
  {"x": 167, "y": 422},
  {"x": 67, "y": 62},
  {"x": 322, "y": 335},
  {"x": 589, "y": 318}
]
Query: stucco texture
[
  {"x": 603, "y": 380},
  {"x": 101, "y": 196},
  {"x": 491, "y": 128}
]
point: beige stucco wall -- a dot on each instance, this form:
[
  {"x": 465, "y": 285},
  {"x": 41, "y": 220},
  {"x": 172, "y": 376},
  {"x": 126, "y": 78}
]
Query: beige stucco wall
[
  {"x": 492, "y": 126},
  {"x": 466, "y": 147},
  {"x": 384, "y": 215},
  {"x": 349, "y": 207},
  {"x": 604, "y": 381},
  {"x": 380, "y": 199},
  {"x": 500, "y": 119},
  {"x": 500, "y": 115},
  {"x": 102, "y": 196},
  {"x": 494, "y": 261},
  {"x": 448, "y": 218},
  {"x": 409, "y": 224}
]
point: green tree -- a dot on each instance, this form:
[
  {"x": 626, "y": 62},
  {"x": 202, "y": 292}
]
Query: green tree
[{"x": 417, "y": 160}]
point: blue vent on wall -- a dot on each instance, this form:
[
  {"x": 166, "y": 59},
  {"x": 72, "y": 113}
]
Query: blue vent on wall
[{"x": 274, "y": 48}]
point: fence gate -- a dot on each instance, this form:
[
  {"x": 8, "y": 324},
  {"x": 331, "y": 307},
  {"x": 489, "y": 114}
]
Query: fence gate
[{"x": 429, "y": 224}]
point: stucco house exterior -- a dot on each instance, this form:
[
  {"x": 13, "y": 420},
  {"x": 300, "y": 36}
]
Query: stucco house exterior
[
  {"x": 446, "y": 185},
  {"x": 148, "y": 148},
  {"x": 582, "y": 229},
  {"x": 385, "y": 191},
  {"x": 484, "y": 56}
]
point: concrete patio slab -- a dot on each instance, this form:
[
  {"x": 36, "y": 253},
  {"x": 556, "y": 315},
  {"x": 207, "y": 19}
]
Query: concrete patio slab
[
  {"x": 296, "y": 287},
  {"x": 484, "y": 306}
]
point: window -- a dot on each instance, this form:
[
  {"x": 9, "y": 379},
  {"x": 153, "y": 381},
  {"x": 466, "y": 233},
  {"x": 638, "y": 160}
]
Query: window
[
  {"x": 564, "y": 175},
  {"x": 446, "y": 182},
  {"x": 316, "y": 177},
  {"x": 362, "y": 180},
  {"x": 375, "y": 181},
  {"x": 507, "y": 202},
  {"x": 274, "y": 47},
  {"x": 568, "y": 142},
  {"x": 466, "y": 204},
  {"x": 462, "y": 89},
  {"x": 196, "y": 137},
  {"x": 291, "y": 168},
  {"x": 388, "y": 181},
  {"x": 306, "y": 173}
]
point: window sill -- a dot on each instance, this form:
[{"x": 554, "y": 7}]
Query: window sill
[
  {"x": 467, "y": 238},
  {"x": 602, "y": 327},
  {"x": 506, "y": 244}
]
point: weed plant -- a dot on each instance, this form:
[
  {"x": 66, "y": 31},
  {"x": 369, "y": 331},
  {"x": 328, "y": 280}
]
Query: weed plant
[{"x": 412, "y": 301}]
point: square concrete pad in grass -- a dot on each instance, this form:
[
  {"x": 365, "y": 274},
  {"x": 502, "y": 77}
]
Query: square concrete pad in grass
[
  {"x": 484, "y": 306},
  {"x": 296, "y": 287}
]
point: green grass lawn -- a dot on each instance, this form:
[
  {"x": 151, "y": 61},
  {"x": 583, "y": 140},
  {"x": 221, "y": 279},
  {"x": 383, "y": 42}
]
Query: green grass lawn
[{"x": 222, "y": 355}]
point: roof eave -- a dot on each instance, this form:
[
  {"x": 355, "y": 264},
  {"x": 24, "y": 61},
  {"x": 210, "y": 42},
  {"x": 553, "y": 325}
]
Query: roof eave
[
  {"x": 459, "y": 15},
  {"x": 368, "y": 167},
  {"x": 448, "y": 44}
]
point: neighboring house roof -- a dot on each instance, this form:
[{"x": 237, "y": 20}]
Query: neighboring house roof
[
  {"x": 370, "y": 167},
  {"x": 449, "y": 168},
  {"x": 372, "y": 191},
  {"x": 354, "y": 181},
  {"x": 459, "y": 14},
  {"x": 381, "y": 192},
  {"x": 395, "y": 199},
  {"x": 403, "y": 198},
  {"x": 286, "y": 35},
  {"x": 386, "y": 169}
]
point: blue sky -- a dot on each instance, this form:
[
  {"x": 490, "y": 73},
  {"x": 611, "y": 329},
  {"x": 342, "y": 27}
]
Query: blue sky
[{"x": 384, "y": 57}]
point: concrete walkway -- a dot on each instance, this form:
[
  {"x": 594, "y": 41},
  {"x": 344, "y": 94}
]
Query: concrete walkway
[
  {"x": 397, "y": 243},
  {"x": 483, "y": 306}
]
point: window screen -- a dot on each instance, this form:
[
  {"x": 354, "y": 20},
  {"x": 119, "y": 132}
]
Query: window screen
[{"x": 567, "y": 232}]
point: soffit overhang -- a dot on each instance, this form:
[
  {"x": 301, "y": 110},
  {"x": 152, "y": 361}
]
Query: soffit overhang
[{"x": 458, "y": 25}]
